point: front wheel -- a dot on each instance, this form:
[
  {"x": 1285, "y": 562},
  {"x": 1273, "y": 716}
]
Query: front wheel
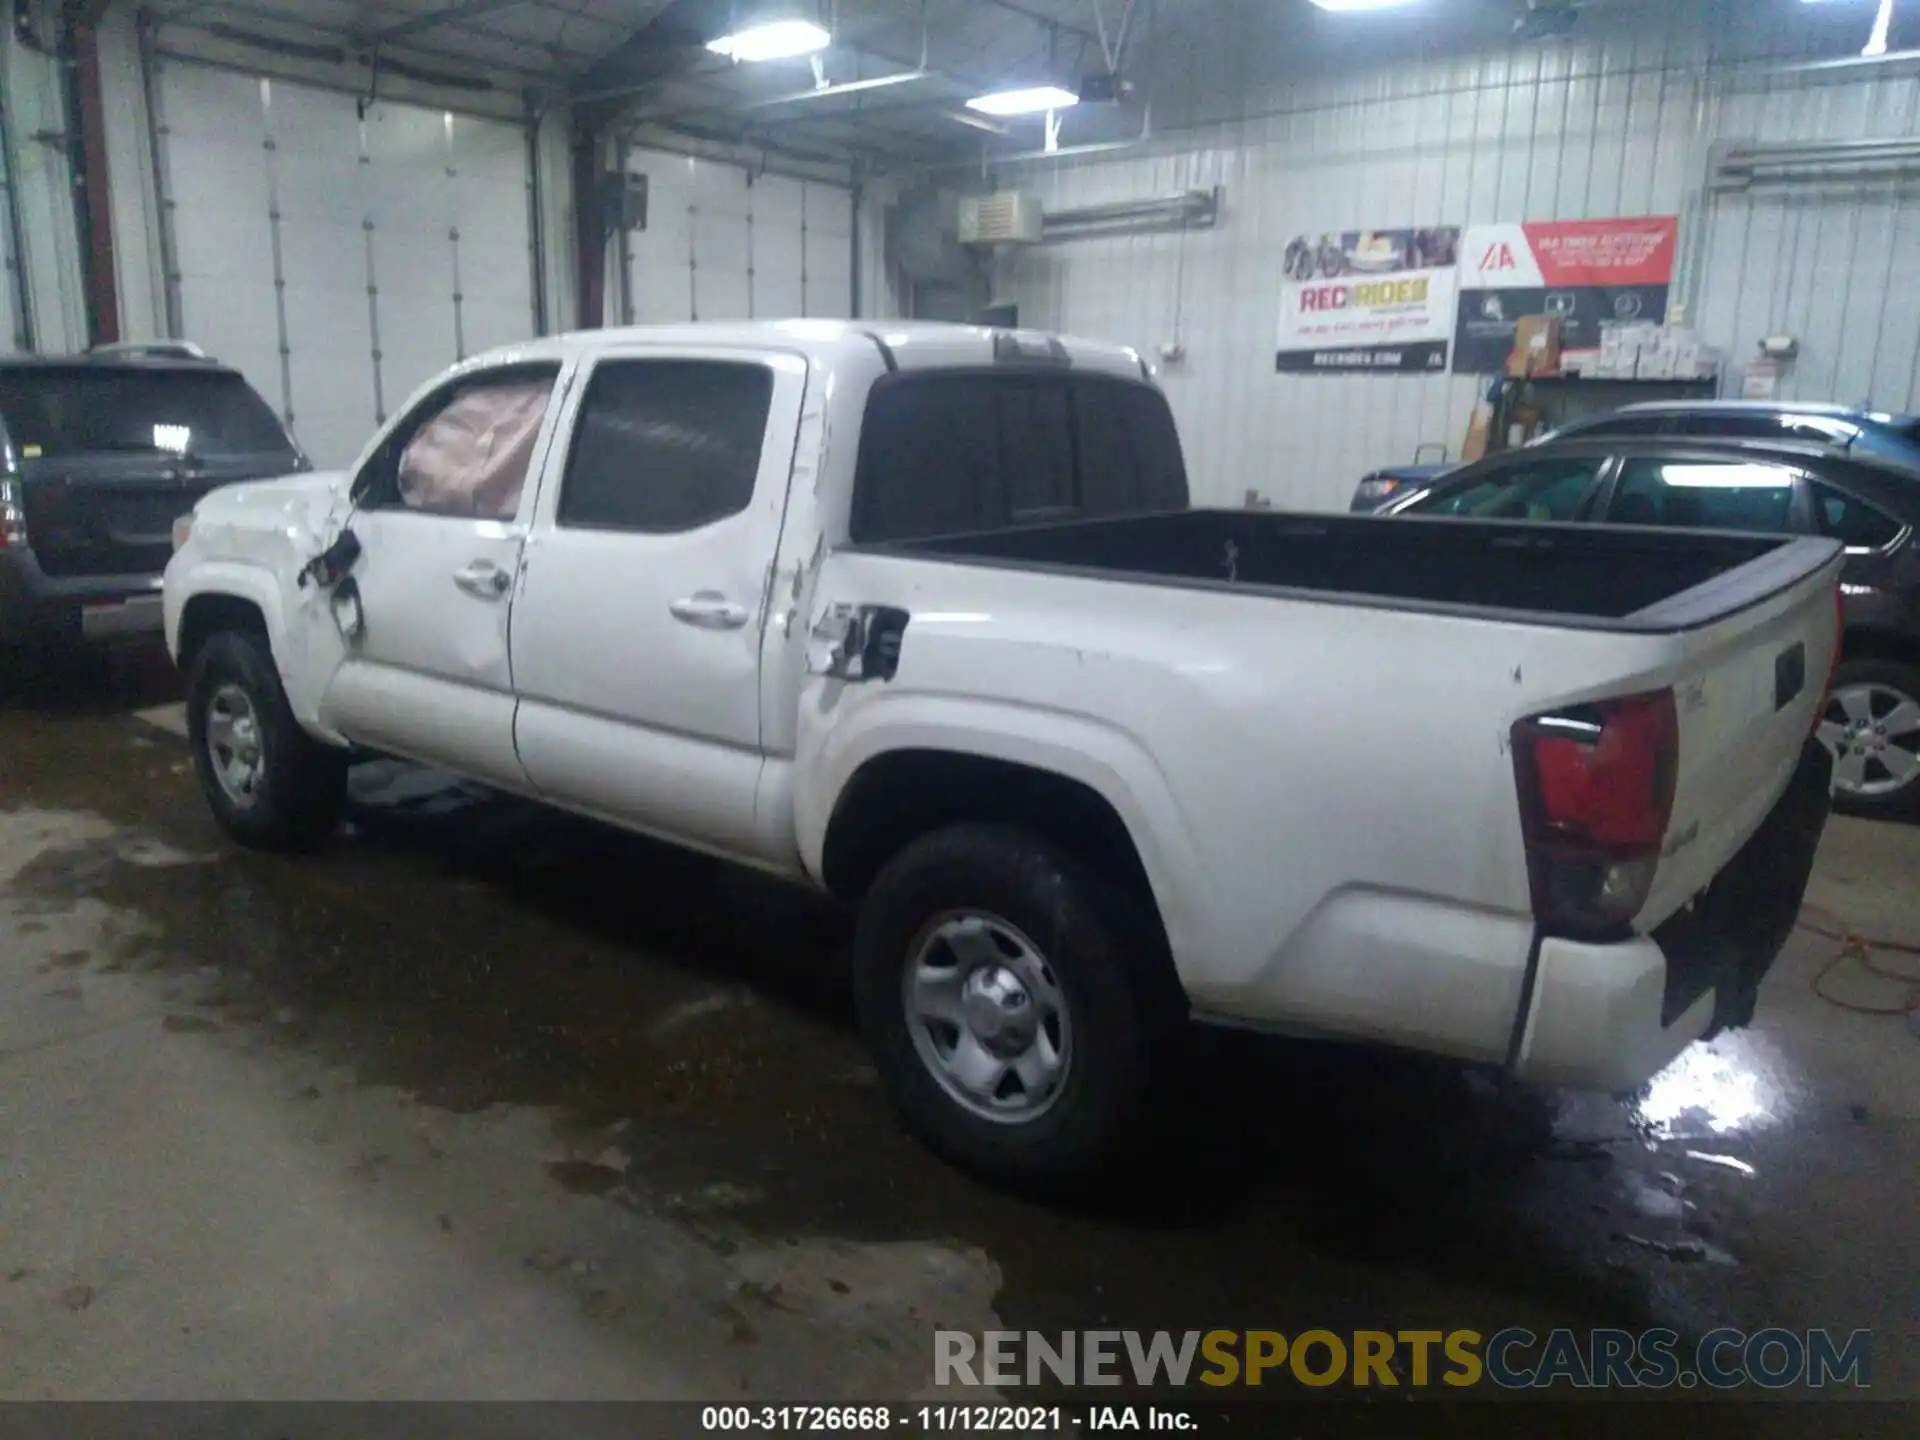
[
  {"x": 1872, "y": 726},
  {"x": 270, "y": 785},
  {"x": 1019, "y": 1007}
]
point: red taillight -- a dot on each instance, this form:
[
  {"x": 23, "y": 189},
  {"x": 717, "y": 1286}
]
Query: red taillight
[{"x": 1596, "y": 792}]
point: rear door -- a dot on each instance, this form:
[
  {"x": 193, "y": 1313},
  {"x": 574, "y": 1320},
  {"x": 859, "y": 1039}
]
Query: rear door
[{"x": 637, "y": 638}]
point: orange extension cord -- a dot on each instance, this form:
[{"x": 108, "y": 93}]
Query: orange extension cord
[{"x": 1861, "y": 948}]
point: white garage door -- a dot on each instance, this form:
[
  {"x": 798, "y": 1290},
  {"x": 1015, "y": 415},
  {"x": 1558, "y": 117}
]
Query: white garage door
[
  {"x": 724, "y": 243},
  {"x": 339, "y": 260}
]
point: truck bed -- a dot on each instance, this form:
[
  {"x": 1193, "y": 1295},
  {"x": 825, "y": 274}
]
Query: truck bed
[{"x": 1591, "y": 576}]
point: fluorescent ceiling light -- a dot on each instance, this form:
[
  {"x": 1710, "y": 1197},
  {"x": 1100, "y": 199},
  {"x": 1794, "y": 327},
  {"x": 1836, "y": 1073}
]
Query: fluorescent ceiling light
[
  {"x": 776, "y": 40},
  {"x": 1725, "y": 477},
  {"x": 1342, "y": 7},
  {"x": 1024, "y": 102}
]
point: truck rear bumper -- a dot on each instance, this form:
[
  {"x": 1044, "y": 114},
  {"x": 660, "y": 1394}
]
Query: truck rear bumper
[{"x": 1610, "y": 1016}]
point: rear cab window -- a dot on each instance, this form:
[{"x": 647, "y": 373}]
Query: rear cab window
[
  {"x": 958, "y": 451},
  {"x": 59, "y": 411}
]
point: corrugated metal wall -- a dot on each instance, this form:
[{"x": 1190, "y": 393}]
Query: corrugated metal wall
[
  {"x": 1615, "y": 120},
  {"x": 1834, "y": 262}
]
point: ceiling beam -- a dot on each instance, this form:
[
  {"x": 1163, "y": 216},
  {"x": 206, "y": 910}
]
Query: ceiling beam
[
  {"x": 433, "y": 19},
  {"x": 1046, "y": 22}
]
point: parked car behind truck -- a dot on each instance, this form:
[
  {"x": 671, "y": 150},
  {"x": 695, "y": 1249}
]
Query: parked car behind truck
[
  {"x": 1869, "y": 504},
  {"x": 918, "y": 616},
  {"x": 98, "y": 454}
]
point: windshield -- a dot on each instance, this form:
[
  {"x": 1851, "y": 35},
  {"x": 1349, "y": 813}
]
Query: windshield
[{"x": 195, "y": 414}]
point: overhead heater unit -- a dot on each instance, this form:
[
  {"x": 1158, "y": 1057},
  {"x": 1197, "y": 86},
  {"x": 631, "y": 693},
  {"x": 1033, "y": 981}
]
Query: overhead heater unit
[{"x": 1007, "y": 218}]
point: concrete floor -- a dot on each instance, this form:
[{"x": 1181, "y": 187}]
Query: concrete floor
[{"x": 486, "y": 1103}]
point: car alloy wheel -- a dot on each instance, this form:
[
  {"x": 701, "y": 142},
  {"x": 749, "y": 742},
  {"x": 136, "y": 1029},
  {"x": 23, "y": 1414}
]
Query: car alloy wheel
[{"x": 1873, "y": 731}]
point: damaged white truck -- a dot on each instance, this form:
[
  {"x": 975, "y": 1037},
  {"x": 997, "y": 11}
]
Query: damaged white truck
[{"x": 922, "y": 616}]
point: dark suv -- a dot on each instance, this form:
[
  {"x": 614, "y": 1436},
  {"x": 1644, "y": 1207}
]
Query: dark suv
[{"x": 99, "y": 454}]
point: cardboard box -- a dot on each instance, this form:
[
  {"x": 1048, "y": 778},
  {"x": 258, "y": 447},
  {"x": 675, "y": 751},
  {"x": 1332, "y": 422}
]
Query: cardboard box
[
  {"x": 1695, "y": 360},
  {"x": 1657, "y": 357},
  {"x": 1536, "y": 346},
  {"x": 1620, "y": 346}
]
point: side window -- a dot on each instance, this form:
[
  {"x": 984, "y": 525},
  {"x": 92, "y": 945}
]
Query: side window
[
  {"x": 1704, "y": 495},
  {"x": 465, "y": 451},
  {"x": 1854, "y": 523},
  {"x": 944, "y": 454},
  {"x": 1524, "y": 490},
  {"x": 662, "y": 446}
]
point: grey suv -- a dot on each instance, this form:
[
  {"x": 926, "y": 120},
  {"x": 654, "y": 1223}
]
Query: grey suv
[{"x": 99, "y": 454}]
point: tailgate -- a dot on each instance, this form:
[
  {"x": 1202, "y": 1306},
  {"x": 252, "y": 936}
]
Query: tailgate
[{"x": 1748, "y": 690}]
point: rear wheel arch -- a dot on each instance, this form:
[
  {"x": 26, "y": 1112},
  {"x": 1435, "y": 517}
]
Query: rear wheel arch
[{"x": 898, "y": 796}]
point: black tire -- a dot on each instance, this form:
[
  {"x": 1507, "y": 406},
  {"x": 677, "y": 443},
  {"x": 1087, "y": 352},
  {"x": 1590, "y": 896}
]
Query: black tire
[
  {"x": 1108, "y": 960},
  {"x": 1890, "y": 675},
  {"x": 302, "y": 785}
]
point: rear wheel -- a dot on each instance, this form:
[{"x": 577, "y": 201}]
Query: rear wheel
[
  {"x": 1872, "y": 726},
  {"x": 1016, "y": 1008},
  {"x": 270, "y": 784}
]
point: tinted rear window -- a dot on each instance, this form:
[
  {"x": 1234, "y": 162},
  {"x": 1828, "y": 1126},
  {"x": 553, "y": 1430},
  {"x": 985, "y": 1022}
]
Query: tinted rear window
[
  {"x": 196, "y": 413},
  {"x": 943, "y": 454}
]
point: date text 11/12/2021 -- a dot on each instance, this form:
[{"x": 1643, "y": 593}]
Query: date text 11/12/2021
[{"x": 942, "y": 1419}]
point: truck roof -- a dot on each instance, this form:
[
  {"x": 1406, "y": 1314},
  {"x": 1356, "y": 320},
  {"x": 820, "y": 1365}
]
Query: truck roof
[{"x": 905, "y": 344}]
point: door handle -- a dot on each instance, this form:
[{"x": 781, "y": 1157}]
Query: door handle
[
  {"x": 484, "y": 579},
  {"x": 708, "y": 610}
]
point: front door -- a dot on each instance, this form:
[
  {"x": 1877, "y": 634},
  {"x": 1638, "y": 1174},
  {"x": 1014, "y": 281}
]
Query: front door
[
  {"x": 440, "y": 512},
  {"x": 637, "y": 637}
]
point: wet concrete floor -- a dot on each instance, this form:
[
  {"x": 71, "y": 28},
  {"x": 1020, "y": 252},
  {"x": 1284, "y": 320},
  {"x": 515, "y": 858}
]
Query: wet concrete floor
[{"x": 487, "y": 1101}]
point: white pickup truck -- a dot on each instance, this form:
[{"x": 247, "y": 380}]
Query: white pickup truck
[{"x": 920, "y": 615}]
